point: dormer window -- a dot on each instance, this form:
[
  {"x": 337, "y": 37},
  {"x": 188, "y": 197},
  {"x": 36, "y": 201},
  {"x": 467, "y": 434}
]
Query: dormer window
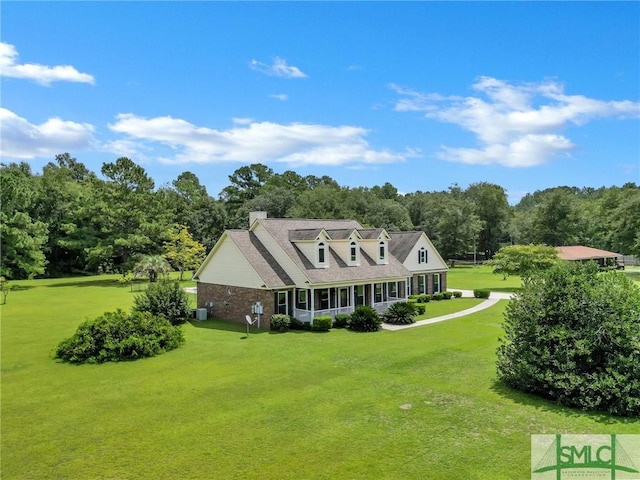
[
  {"x": 382, "y": 251},
  {"x": 422, "y": 255},
  {"x": 353, "y": 252},
  {"x": 322, "y": 253}
]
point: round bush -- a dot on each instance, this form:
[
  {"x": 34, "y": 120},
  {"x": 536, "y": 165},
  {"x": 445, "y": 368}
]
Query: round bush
[
  {"x": 166, "y": 298},
  {"x": 481, "y": 293},
  {"x": 365, "y": 319},
  {"x": 573, "y": 335},
  {"x": 400, "y": 313},
  {"x": 447, "y": 295},
  {"x": 341, "y": 320},
  {"x": 437, "y": 296},
  {"x": 280, "y": 322},
  {"x": 117, "y": 336},
  {"x": 457, "y": 294},
  {"x": 322, "y": 323}
]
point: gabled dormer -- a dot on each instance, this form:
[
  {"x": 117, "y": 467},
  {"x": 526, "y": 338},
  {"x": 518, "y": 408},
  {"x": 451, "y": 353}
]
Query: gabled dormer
[
  {"x": 376, "y": 243},
  {"x": 314, "y": 244},
  {"x": 346, "y": 244}
]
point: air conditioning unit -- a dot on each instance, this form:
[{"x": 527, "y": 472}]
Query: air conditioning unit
[{"x": 201, "y": 314}]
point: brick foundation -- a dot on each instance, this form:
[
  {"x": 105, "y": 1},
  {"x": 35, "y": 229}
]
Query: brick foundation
[
  {"x": 443, "y": 282},
  {"x": 234, "y": 303}
]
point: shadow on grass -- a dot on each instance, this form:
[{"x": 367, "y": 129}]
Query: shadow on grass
[
  {"x": 506, "y": 289},
  {"x": 547, "y": 405},
  {"x": 19, "y": 288},
  {"x": 91, "y": 283},
  {"x": 223, "y": 326}
]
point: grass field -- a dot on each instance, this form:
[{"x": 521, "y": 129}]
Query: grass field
[
  {"x": 298, "y": 405},
  {"x": 470, "y": 277}
]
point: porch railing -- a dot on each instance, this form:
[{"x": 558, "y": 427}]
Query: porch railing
[{"x": 305, "y": 315}]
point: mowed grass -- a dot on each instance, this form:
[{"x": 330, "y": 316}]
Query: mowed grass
[
  {"x": 470, "y": 277},
  {"x": 272, "y": 406},
  {"x": 444, "y": 307}
]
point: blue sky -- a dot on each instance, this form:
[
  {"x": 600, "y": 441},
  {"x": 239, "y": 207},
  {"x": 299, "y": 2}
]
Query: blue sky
[{"x": 423, "y": 95}]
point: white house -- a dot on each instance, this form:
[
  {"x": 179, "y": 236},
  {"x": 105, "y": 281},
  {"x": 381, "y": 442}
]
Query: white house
[{"x": 311, "y": 267}]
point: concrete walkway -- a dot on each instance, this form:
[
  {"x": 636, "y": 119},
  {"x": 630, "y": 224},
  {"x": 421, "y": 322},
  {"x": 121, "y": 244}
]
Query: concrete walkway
[{"x": 494, "y": 298}]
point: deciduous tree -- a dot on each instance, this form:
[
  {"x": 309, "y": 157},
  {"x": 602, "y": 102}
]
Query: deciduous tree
[{"x": 182, "y": 250}]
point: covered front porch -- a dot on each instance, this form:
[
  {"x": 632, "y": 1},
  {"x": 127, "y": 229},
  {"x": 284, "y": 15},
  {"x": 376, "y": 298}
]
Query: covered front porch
[{"x": 305, "y": 304}]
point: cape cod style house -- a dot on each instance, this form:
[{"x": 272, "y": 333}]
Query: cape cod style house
[{"x": 306, "y": 268}]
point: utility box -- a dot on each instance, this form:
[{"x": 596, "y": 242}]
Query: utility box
[{"x": 201, "y": 313}]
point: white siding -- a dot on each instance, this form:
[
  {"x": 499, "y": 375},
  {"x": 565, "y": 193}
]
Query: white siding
[
  {"x": 229, "y": 267},
  {"x": 280, "y": 255},
  {"x": 434, "y": 260}
]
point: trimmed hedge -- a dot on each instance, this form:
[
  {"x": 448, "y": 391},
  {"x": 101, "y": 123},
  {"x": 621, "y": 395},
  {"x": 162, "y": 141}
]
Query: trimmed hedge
[
  {"x": 341, "y": 320},
  {"x": 457, "y": 294},
  {"x": 420, "y": 309},
  {"x": 447, "y": 295},
  {"x": 299, "y": 325},
  {"x": 322, "y": 323},
  {"x": 437, "y": 296},
  {"x": 280, "y": 322},
  {"x": 117, "y": 336},
  {"x": 425, "y": 298},
  {"x": 481, "y": 293}
]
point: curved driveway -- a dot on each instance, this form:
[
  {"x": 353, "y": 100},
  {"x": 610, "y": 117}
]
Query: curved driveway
[{"x": 494, "y": 298}]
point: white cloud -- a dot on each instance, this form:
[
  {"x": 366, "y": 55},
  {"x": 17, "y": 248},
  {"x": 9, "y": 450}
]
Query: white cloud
[
  {"x": 278, "y": 68},
  {"x": 42, "y": 74},
  {"x": 22, "y": 139},
  {"x": 280, "y": 96},
  {"x": 296, "y": 143},
  {"x": 516, "y": 125}
]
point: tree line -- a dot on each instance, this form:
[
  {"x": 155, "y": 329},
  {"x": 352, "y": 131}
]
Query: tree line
[{"x": 67, "y": 220}]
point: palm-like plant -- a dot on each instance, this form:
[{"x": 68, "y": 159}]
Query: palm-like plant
[
  {"x": 400, "y": 313},
  {"x": 152, "y": 266}
]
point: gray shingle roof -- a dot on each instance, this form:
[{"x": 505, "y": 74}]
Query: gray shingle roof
[
  {"x": 402, "y": 243},
  {"x": 304, "y": 234},
  {"x": 262, "y": 261},
  {"x": 337, "y": 271},
  {"x": 370, "y": 233}
]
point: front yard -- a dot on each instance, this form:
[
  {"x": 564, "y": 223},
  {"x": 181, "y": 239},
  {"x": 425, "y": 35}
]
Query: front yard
[{"x": 415, "y": 404}]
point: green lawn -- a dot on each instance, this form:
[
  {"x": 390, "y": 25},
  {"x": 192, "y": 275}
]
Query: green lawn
[
  {"x": 469, "y": 278},
  {"x": 298, "y": 405},
  {"x": 445, "y": 307}
]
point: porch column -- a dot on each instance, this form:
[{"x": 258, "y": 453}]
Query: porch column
[
  {"x": 352, "y": 300},
  {"x": 313, "y": 303},
  {"x": 373, "y": 294}
]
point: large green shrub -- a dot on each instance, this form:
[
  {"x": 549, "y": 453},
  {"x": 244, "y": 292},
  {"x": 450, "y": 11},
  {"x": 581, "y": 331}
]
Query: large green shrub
[
  {"x": 166, "y": 298},
  {"x": 481, "y": 293},
  {"x": 117, "y": 336},
  {"x": 437, "y": 296},
  {"x": 341, "y": 320},
  {"x": 573, "y": 335},
  {"x": 400, "y": 313},
  {"x": 447, "y": 295},
  {"x": 280, "y": 322},
  {"x": 322, "y": 323},
  {"x": 299, "y": 325},
  {"x": 365, "y": 319}
]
